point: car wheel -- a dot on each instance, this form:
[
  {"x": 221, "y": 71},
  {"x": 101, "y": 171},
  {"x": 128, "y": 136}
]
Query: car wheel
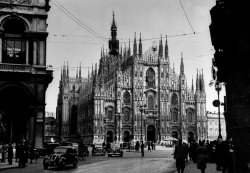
[
  {"x": 75, "y": 164},
  {"x": 45, "y": 166}
]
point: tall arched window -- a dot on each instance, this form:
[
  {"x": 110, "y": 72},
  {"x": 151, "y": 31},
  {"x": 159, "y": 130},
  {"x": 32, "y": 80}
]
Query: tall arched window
[
  {"x": 126, "y": 115},
  {"x": 110, "y": 117},
  {"x": 174, "y": 116},
  {"x": 150, "y": 78},
  {"x": 150, "y": 102},
  {"x": 126, "y": 97},
  {"x": 190, "y": 117},
  {"x": 174, "y": 100}
]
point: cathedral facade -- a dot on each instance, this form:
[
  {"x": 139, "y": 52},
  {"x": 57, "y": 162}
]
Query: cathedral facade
[{"x": 137, "y": 96}]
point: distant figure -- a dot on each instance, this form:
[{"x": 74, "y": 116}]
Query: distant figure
[
  {"x": 10, "y": 154},
  {"x": 201, "y": 155},
  {"x": 149, "y": 146},
  {"x": 36, "y": 155},
  {"x": 180, "y": 154},
  {"x": 31, "y": 153},
  {"x": 142, "y": 149}
]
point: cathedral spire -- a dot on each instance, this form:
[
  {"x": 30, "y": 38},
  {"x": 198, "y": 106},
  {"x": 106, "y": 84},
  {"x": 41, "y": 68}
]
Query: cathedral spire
[
  {"x": 135, "y": 46},
  {"x": 101, "y": 52},
  {"x": 76, "y": 72},
  {"x": 173, "y": 69},
  {"x": 192, "y": 85},
  {"x": 182, "y": 65},
  {"x": 166, "y": 49},
  {"x": 61, "y": 73},
  {"x": 129, "y": 49},
  {"x": 64, "y": 73},
  {"x": 160, "y": 54},
  {"x": 113, "y": 42},
  {"x": 140, "y": 46},
  {"x": 80, "y": 71},
  {"x": 67, "y": 70},
  {"x": 203, "y": 83},
  {"x": 197, "y": 81}
]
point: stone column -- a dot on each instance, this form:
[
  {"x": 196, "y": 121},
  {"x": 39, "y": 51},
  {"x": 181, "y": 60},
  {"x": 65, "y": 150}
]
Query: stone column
[
  {"x": 27, "y": 52},
  {"x": 34, "y": 52},
  {"x": 1, "y": 50},
  {"x": 31, "y": 130}
]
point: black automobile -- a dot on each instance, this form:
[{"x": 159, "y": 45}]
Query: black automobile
[
  {"x": 62, "y": 156},
  {"x": 115, "y": 150}
]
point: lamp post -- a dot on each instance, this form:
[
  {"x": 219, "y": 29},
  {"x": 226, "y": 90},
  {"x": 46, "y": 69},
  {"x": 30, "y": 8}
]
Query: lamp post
[
  {"x": 218, "y": 89},
  {"x": 141, "y": 110}
]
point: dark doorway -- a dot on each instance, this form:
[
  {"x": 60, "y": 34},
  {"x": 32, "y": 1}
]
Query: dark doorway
[
  {"x": 151, "y": 133},
  {"x": 126, "y": 136},
  {"x": 14, "y": 104},
  {"x": 175, "y": 135},
  {"x": 190, "y": 137},
  {"x": 110, "y": 136},
  {"x": 73, "y": 120}
]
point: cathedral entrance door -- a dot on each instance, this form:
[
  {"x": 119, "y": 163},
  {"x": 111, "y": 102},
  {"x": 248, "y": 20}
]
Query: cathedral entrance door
[
  {"x": 110, "y": 136},
  {"x": 151, "y": 133},
  {"x": 190, "y": 137},
  {"x": 126, "y": 136}
]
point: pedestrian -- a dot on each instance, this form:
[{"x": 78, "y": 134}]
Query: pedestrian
[
  {"x": 17, "y": 151},
  {"x": 3, "y": 150},
  {"x": 202, "y": 156},
  {"x": 225, "y": 156},
  {"x": 31, "y": 151},
  {"x": 10, "y": 154},
  {"x": 219, "y": 155},
  {"x": 21, "y": 156},
  {"x": 142, "y": 149},
  {"x": 137, "y": 145},
  {"x": 190, "y": 151},
  {"x": 180, "y": 153},
  {"x": 186, "y": 148},
  {"x": 149, "y": 146},
  {"x": 152, "y": 145},
  {"x": 36, "y": 155}
]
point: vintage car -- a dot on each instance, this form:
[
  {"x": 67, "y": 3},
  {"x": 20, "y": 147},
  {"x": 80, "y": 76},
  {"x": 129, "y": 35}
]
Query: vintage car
[
  {"x": 98, "y": 150},
  {"x": 115, "y": 150},
  {"x": 62, "y": 156}
]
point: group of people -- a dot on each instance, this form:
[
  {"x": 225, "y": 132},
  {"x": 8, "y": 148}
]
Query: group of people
[
  {"x": 21, "y": 152},
  {"x": 218, "y": 152}
]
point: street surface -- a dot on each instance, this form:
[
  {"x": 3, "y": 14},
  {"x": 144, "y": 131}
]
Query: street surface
[{"x": 157, "y": 161}]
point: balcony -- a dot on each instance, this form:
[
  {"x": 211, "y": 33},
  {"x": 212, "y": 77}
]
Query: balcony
[{"x": 15, "y": 67}]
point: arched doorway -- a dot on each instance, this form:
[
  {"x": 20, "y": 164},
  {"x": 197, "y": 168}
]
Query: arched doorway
[
  {"x": 126, "y": 136},
  {"x": 175, "y": 134},
  {"x": 190, "y": 136},
  {"x": 18, "y": 122},
  {"x": 151, "y": 133},
  {"x": 110, "y": 136}
]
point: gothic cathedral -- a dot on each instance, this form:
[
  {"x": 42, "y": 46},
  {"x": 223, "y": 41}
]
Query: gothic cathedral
[{"x": 133, "y": 97}]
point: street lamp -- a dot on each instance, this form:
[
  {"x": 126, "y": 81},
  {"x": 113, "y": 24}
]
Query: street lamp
[
  {"x": 218, "y": 89},
  {"x": 119, "y": 118},
  {"x": 142, "y": 108}
]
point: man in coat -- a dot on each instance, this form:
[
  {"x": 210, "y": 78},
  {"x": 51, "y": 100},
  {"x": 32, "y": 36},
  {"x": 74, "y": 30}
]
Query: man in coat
[
  {"x": 202, "y": 156},
  {"x": 180, "y": 154},
  {"x": 10, "y": 154}
]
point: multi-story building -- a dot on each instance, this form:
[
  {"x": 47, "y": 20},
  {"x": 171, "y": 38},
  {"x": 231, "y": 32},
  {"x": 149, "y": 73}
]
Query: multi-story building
[
  {"x": 213, "y": 126},
  {"x": 24, "y": 76},
  {"x": 50, "y": 127},
  {"x": 68, "y": 97},
  {"x": 140, "y": 97}
]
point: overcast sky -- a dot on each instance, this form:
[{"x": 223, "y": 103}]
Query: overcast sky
[{"x": 70, "y": 38}]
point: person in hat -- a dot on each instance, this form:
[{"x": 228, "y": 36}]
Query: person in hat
[
  {"x": 10, "y": 154},
  {"x": 180, "y": 154}
]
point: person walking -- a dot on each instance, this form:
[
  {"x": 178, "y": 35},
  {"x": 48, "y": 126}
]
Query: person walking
[
  {"x": 142, "y": 149},
  {"x": 149, "y": 146},
  {"x": 17, "y": 151},
  {"x": 152, "y": 145},
  {"x": 202, "y": 156},
  {"x": 180, "y": 154},
  {"x": 10, "y": 154},
  {"x": 3, "y": 150},
  {"x": 31, "y": 155}
]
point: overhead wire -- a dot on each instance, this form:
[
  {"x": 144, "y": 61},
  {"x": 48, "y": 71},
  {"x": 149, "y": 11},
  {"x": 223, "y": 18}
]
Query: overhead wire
[
  {"x": 187, "y": 17},
  {"x": 80, "y": 23}
]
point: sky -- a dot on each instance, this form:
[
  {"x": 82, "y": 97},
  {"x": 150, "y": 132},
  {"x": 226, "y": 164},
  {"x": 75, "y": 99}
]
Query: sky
[{"x": 78, "y": 29}]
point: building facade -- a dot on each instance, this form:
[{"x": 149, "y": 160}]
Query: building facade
[
  {"x": 68, "y": 98},
  {"x": 50, "y": 127},
  {"x": 24, "y": 76},
  {"x": 213, "y": 126},
  {"x": 137, "y": 96}
]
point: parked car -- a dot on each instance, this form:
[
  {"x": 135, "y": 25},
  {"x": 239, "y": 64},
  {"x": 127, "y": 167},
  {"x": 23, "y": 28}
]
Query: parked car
[
  {"x": 115, "y": 150},
  {"x": 62, "y": 156},
  {"x": 48, "y": 149},
  {"x": 98, "y": 150}
]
